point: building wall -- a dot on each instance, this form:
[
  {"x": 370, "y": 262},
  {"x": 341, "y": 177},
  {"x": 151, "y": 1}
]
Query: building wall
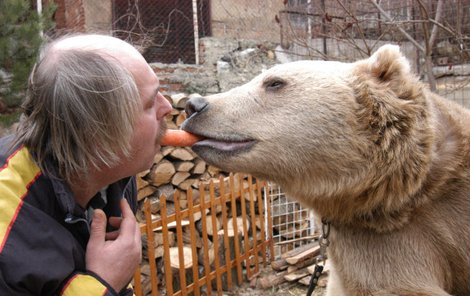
[
  {"x": 247, "y": 19},
  {"x": 70, "y": 16},
  {"x": 98, "y": 16}
]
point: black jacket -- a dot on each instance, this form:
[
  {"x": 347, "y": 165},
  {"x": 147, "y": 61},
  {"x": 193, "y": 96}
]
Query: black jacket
[{"x": 44, "y": 233}]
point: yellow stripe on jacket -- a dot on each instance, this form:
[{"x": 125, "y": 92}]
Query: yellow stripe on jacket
[
  {"x": 16, "y": 176},
  {"x": 83, "y": 284}
]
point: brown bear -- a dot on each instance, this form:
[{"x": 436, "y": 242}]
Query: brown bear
[{"x": 370, "y": 149}]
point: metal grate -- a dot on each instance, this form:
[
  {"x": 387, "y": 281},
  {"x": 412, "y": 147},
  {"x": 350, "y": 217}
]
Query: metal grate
[
  {"x": 293, "y": 225},
  {"x": 165, "y": 31}
]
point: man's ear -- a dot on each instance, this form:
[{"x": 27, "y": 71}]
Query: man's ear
[{"x": 388, "y": 64}]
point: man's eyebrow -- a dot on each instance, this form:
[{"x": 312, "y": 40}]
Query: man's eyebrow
[{"x": 154, "y": 94}]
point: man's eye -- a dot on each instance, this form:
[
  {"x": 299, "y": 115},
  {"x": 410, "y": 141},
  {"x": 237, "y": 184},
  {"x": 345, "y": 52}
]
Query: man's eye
[{"x": 150, "y": 104}]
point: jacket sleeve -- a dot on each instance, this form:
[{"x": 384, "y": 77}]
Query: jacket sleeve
[{"x": 90, "y": 284}]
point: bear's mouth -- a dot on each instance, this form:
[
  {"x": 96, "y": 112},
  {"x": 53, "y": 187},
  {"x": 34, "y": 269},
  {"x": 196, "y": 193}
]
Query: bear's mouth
[
  {"x": 223, "y": 145},
  {"x": 220, "y": 143}
]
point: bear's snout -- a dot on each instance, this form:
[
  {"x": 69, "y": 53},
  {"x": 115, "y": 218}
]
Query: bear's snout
[{"x": 195, "y": 105}]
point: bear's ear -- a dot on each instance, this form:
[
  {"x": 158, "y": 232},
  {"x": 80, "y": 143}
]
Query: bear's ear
[{"x": 388, "y": 64}]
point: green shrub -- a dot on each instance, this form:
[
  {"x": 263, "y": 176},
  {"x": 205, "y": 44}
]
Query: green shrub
[{"x": 20, "y": 39}]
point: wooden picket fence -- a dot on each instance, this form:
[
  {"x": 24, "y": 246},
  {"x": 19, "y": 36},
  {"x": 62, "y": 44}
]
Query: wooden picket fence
[{"x": 246, "y": 258}]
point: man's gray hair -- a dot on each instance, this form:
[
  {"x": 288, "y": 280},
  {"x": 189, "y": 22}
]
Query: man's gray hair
[{"x": 79, "y": 112}]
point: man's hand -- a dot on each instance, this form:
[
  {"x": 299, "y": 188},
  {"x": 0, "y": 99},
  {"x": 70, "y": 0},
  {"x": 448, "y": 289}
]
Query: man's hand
[{"x": 114, "y": 256}]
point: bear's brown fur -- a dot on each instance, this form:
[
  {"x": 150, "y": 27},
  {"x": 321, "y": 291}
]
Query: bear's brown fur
[{"x": 368, "y": 147}]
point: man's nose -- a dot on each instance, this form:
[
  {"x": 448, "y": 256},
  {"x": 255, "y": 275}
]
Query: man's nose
[
  {"x": 164, "y": 106},
  {"x": 195, "y": 105}
]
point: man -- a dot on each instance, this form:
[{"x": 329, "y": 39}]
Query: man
[{"x": 93, "y": 118}]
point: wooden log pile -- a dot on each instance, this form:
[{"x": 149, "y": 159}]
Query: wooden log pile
[
  {"x": 221, "y": 234},
  {"x": 174, "y": 168},
  {"x": 296, "y": 265}
]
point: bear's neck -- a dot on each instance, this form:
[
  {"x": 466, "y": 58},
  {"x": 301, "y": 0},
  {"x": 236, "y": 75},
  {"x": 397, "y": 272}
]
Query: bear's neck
[{"x": 388, "y": 205}]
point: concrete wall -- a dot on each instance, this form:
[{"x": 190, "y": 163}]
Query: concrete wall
[
  {"x": 98, "y": 16},
  {"x": 247, "y": 19}
]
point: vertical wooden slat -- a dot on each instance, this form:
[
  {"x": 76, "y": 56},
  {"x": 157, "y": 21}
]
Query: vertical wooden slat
[
  {"x": 192, "y": 230},
  {"x": 270, "y": 226},
  {"x": 246, "y": 244},
  {"x": 228, "y": 260},
  {"x": 215, "y": 239},
  {"x": 253, "y": 222},
  {"x": 166, "y": 246},
  {"x": 151, "y": 247},
  {"x": 205, "y": 239},
  {"x": 137, "y": 282},
  {"x": 238, "y": 261},
  {"x": 262, "y": 216},
  {"x": 179, "y": 239}
]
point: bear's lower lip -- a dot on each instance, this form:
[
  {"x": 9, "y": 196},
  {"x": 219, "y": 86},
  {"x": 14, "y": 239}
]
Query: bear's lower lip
[{"x": 230, "y": 147}]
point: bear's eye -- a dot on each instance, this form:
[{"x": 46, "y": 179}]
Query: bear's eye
[{"x": 274, "y": 84}]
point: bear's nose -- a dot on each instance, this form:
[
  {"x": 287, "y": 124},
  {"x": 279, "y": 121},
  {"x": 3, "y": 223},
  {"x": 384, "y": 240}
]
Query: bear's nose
[{"x": 195, "y": 105}]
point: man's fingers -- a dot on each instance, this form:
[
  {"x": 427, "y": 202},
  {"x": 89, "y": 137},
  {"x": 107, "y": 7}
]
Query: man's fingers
[
  {"x": 98, "y": 227},
  {"x": 112, "y": 235},
  {"x": 126, "y": 209},
  {"x": 115, "y": 222},
  {"x": 137, "y": 235},
  {"x": 128, "y": 222}
]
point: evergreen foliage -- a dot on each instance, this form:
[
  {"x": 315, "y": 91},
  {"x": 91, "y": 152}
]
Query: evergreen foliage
[{"x": 20, "y": 39}]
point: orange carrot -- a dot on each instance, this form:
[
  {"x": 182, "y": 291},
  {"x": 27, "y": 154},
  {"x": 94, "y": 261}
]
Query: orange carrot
[{"x": 179, "y": 138}]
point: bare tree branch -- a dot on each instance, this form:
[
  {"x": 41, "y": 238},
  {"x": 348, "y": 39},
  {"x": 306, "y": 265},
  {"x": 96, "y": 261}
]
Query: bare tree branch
[
  {"x": 408, "y": 36},
  {"x": 437, "y": 18}
]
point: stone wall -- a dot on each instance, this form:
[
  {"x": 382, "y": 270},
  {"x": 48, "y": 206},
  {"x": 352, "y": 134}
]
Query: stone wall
[{"x": 225, "y": 63}]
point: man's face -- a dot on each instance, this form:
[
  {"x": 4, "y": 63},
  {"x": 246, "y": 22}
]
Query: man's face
[{"x": 150, "y": 125}]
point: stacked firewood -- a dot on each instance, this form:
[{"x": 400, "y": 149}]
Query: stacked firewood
[
  {"x": 296, "y": 265},
  {"x": 211, "y": 236},
  {"x": 174, "y": 167}
]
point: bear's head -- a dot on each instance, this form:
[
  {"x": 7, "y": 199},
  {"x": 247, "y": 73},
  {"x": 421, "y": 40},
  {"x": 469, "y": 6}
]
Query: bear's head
[{"x": 323, "y": 130}]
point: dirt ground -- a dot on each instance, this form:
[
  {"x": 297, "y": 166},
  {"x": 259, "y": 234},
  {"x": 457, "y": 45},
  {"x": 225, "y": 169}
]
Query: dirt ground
[
  {"x": 287, "y": 289},
  {"x": 284, "y": 289}
]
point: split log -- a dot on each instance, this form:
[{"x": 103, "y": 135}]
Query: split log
[
  {"x": 184, "y": 166},
  {"x": 271, "y": 280},
  {"x": 304, "y": 255},
  {"x": 179, "y": 177},
  {"x": 176, "y": 268},
  {"x": 179, "y": 100},
  {"x": 326, "y": 268},
  {"x": 172, "y": 225},
  {"x": 182, "y": 153},
  {"x": 167, "y": 150},
  {"x": 180, "y": 118},
  {"x": 187, "y": 183},
  {"x": 168, "y": 190},
  {"x": 157, "y": 158},
  {"x": 296, "y": 275},
  {"x": 140, "y": 179},
  {"x": 299, "y": 250},
  {"x": 199, "y": 166},
  {"x": 154, "y": 205},
  {"x": 201, "y": 258},
  {"x": 187, "y": 238},
  {"x": 162, "y": 173},
  {"x": 282, "y": 264},
  {"x": 145, "y": 192},
  {"x": 229, "y": 250},
  {"x": 239, "y": 224},
  {"x": 209, "y": 225}
]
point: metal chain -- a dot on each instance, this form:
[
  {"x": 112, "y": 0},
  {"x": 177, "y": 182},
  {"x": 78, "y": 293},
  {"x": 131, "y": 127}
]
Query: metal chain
[{"x": 324, "y": 242}]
